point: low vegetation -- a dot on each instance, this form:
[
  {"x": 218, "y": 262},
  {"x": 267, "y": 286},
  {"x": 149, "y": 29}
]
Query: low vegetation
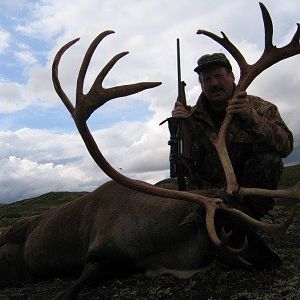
[{"x": 10, "y": 213}]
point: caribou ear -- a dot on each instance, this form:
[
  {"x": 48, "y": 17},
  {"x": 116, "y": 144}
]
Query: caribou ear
[{"x": 193, "y": 219}]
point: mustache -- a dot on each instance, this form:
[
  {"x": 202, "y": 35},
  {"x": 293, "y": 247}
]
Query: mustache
[{"x": 216, "y": 89}]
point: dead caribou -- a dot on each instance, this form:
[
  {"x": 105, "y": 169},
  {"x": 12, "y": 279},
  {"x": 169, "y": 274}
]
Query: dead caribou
[{"x": 128, "y": 225}]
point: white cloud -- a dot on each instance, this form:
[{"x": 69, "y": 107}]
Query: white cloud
[
  {"x": 37, "y": 91},
  {"x": 4, "y": 40},
  {"x": 30, "y": 178},
  {"x": 60, "y": 161},
  {"x": 11, "y": 99},
  {"x": 25, "y": 57},
  {"x": 56, "y": 162}
]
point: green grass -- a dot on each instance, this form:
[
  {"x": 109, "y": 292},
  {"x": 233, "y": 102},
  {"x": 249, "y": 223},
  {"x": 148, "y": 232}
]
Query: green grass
[{"x": 290, "y": 176}]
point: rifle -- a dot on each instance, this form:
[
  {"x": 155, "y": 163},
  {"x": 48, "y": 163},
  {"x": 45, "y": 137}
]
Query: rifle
[{"x": 176, "y": 128}]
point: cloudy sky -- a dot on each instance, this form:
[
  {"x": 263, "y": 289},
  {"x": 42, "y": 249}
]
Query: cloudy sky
[{"x": 40, "y": 150}]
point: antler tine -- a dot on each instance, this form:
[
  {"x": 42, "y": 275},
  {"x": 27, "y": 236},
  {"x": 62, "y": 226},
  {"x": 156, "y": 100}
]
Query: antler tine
[
  {"x": 268, "y": 25},
  {"x": 275, "y": 230},
  {"x": 290, "y": 49},
  {"x": 224, "y": 242},
  {"x": 99, "y": 79},
  {"x": 55, "y": 80},
  {"x": 227, "y": 44},
  {"x": 114, "y": 92},
  {"x": 296, "y": 37},
  {"x": 210, "y": 226},
  {"x": 210, "y": 206},
  {"x": 86, "y": 62},
  {"x": 272, "y": 54},
  {"x": 292, "y": 192},
  {"x": 236, "y": 252}
]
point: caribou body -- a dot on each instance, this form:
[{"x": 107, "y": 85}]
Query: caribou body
[
  {"x": 117, "y": 230},
  {"x": 127, "y": 225}
]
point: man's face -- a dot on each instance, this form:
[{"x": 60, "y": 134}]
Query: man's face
[{"x": 217, "y": 84}]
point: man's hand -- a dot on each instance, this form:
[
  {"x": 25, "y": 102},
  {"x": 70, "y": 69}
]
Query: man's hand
[
  {"x": 240, "y": 105},
  {"x": 180, "y": 111}
]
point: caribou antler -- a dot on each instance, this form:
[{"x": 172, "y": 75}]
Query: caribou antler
[
  {"x": 86, "y": 104},
  {"x": 97, "y": 96},
  {"x": 248, "y": 73}
]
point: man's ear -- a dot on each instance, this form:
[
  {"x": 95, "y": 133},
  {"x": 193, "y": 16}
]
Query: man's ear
[{"x": 192, "y": 219}]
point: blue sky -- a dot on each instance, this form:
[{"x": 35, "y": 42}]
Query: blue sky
[{"x": 40, "y": 150}]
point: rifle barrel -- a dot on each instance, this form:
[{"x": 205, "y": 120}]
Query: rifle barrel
[{"x": 178, "y": 68}]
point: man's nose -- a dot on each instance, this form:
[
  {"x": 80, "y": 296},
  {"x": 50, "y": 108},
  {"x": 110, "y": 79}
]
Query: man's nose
[{"x": 214, "y": 81}]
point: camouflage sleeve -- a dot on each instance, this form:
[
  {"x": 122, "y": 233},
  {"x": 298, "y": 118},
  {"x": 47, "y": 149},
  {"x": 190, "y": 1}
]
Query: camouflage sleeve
[{"x": 269, "y": 130}]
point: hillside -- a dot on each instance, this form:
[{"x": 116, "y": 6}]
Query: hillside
[
  {"x": 10, "y": 213},
  {"x": 290, "y": 176}
]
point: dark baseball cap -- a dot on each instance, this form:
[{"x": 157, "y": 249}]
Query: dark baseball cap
[{"x": 207, "y": 60}]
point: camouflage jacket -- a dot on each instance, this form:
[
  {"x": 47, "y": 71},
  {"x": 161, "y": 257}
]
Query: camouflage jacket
[{"x": 266, "y": 133}]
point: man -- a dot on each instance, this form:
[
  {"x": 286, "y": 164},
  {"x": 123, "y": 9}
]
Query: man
[{"x": 257, "y": 138}]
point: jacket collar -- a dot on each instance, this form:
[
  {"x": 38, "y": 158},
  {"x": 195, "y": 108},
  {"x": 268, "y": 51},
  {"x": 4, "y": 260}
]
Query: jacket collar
[{"x": 200, "y": 110}]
